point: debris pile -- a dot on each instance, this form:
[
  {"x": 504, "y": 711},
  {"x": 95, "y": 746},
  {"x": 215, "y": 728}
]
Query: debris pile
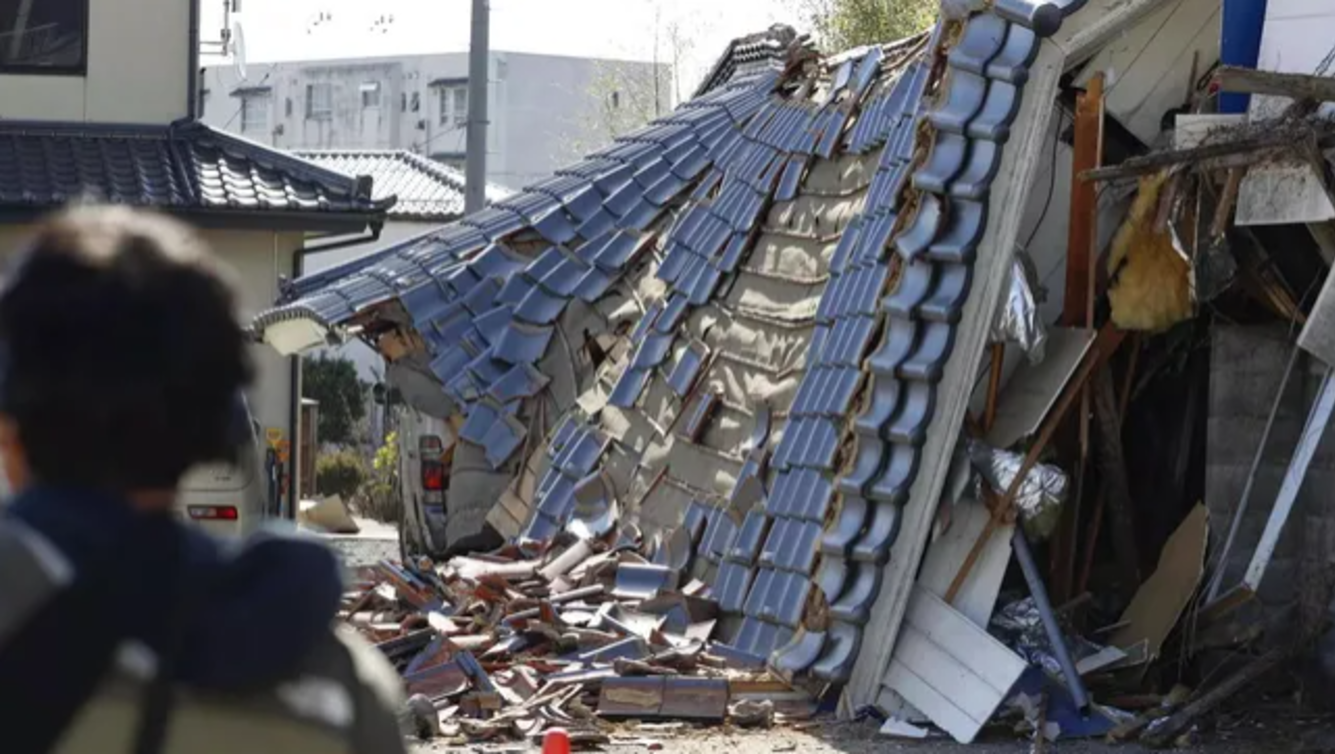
[{"x": 576, "y": 635}]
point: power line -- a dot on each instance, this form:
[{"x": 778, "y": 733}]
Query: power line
[{"x": 242, "y": 107}]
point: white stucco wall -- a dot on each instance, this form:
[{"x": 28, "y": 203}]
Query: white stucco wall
[
  {"x": 258, "y": 258},
  {"x": 138, "y": 69}
]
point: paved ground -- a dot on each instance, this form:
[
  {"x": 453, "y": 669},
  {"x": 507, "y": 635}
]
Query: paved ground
[
  {"x": 839, "y": 738},
  {"x": 374, "y": 543}
]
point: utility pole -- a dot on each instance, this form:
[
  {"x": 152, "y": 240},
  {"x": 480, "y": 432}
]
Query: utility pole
[{"x": 475, "y": 191}]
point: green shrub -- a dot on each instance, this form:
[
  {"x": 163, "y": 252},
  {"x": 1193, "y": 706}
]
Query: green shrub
[
  {"x": 341, "y": 473},
  {"x": 380, "y": 495}
]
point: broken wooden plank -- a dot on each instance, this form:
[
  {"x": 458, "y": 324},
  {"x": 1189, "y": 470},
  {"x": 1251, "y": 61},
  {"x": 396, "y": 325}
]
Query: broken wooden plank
[
  {"x": 950, "y": 668},
  {"x": 1258, "y": 145},
  {"x": 1167, "y": 732},
  {"x": 1295, "y": 85}
]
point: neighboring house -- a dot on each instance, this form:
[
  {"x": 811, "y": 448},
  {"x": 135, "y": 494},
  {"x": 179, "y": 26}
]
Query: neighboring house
[
  {"x": 96, "y": 100},
  {"x": 544, "y": 110},
  {"x": 426, "y": 194}
]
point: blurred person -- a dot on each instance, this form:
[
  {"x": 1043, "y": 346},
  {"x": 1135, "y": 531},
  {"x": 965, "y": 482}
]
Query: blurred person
[{"x": 123, "y": 629}]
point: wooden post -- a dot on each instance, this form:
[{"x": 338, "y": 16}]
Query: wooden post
[{"x": 1078, "y": 308}]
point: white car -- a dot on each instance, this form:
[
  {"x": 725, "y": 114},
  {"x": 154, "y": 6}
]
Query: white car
[{"x": 229, "y": 500}]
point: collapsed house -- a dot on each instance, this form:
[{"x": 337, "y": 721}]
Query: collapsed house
[{"x": 789, "y": 345}]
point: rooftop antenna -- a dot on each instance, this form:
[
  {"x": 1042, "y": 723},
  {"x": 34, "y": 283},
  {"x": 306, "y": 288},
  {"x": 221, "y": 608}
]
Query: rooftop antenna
[{"x": 231, "y": 41}]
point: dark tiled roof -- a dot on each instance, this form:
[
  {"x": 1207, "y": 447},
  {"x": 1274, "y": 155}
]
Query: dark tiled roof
[
  {"x": 424, "y": 189},
  {"x": 188, "y": 167},
  {"x": 698, "y": 189},
  {"x": 766, "y": 49}
]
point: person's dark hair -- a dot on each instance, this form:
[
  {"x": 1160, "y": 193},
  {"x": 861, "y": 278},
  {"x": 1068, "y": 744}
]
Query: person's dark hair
[{"x": 121, "y": 359}]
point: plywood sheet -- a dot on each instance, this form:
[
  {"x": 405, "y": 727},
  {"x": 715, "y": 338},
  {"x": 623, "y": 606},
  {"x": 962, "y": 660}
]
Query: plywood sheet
[
  {"x": 1034, "y": 388},
  {"x": 1159, "y": 603}
]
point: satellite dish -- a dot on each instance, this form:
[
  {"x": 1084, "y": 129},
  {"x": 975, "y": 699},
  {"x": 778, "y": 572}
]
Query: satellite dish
[{"x": 237, "y": 48}]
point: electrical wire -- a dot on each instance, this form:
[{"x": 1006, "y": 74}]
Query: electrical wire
[
  {"x": 242, "y": 107},
  {"x": 1052, "y": 180}
]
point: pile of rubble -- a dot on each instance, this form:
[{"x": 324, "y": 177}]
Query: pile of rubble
[{"x": 509, "y": 644}]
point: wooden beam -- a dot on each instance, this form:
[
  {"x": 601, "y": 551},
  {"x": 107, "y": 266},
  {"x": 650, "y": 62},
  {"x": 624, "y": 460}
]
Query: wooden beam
[
  {"x": 1259, "y": 146},
  {"x": 1295, "y": 85},
  {"x": 1084, "y": 205},
  {"x": 1167, "y": 731},
  {"x": 1078, "y": 305}
]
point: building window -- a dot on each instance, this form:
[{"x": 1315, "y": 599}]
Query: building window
[
  {"x": 50, "y": 36},
  {"x": 319, "y": 101},
  {"x": 616, "y": 100},
  {"x": 454, "y": 106},
  {"x": 417, "y": 102},
  {"x": 371, "y": 95},
  {"x": 255, "y": 114}
]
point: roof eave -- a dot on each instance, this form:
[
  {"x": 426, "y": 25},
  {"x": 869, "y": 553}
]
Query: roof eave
[{"x": 227, "y": 218}]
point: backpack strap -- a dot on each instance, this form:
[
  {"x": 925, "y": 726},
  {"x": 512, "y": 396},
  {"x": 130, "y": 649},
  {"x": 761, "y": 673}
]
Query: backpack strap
[{"x": 158, "y": 699}]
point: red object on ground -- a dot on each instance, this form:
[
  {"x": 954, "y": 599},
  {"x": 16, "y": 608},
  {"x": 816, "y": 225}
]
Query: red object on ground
[{"x": 556, "y": 741}]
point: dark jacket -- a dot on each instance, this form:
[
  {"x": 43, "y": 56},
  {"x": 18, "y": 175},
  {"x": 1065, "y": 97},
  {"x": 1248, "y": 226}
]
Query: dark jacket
[{"x": 97, "y": 600}]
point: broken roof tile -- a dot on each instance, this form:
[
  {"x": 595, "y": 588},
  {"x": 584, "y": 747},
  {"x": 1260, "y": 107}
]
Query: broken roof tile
[
  {"x": 523, "y": 381},
  {"x": 503, "y": 439},
  {"x": 629, "y": 387},
  {"x": 523, "y": 344},
  {"x": 688, "y": 367},
  {"x": 540, "y": 307}
]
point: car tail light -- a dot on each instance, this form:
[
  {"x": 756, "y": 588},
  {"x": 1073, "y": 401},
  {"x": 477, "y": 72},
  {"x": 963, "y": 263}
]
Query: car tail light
[
  {"x": 433, "y": 471},
  {"x": 212, "y": 512},
  {"x": 433, "y": 476}
]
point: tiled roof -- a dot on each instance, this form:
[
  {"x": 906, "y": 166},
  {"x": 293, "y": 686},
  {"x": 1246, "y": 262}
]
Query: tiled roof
[
  {"x": 777, "y": 389},
  {"x": 424, "y": 189},
  {"x": 766, "y": 49},
  {"x": 188, "y": 167}
]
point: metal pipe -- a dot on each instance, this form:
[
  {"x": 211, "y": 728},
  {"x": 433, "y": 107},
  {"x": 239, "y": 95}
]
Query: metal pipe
[
  {"x": 1054, "y": 630},
  {"x": 479, "y": 55},
  {"x": 192, "y": 81}
]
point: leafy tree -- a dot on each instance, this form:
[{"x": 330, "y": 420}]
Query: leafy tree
[
  {"x": 620, "y": 98},
  {"x": 333, "y": 382},
  {"x": 844, "y": 24}
]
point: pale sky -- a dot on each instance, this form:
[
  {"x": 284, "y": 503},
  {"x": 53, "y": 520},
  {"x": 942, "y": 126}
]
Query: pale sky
[{"x": 288, "y": 29}]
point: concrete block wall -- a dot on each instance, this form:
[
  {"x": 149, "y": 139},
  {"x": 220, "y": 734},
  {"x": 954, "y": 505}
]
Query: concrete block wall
[{"x": 1246, "y": 370}]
